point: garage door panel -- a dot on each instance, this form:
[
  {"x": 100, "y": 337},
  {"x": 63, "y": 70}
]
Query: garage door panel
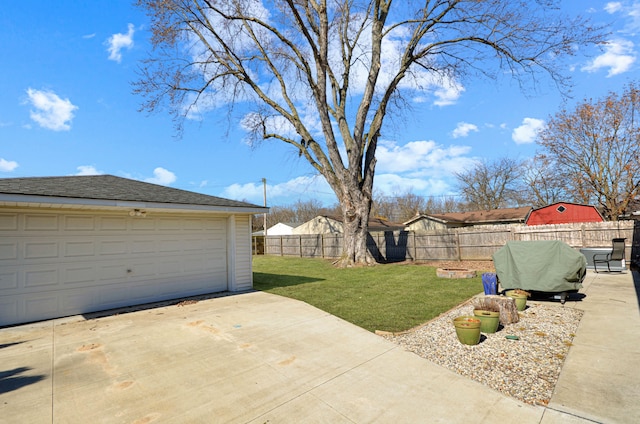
[
  {"x": 43, "y": 277},
  {"x": 8, "y": 250},
  {"x": 170, "y": 267},
  {"x": 8, "y": 221},
  {"x": 112, "y": 247},
  {"x": 9, "y": 309},
  {"x": 42, "y": 305},
  {"x": 112, "y": 272},
  {"x": 82, "y": 275},
  {"x": 143, "y": 246},
  {"x": 78, "y": 301},
  {"x": 77, "y": 248},
  {"x": 79, "y": 223},
  {"x": 41, "y": 222},
  {"x": 40, "y": 250},
  {"x": 168, "y": 245},
  {"x": 112, "y": 223},
  {"x": 8, "y": 280}
]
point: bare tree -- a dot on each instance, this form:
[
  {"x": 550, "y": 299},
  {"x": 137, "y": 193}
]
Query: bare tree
[
  {"x": 598, "y": 148},
  {"x": 442, "y": 204},
  {"x": 307, "y": 210},
  {"x": 382, "y": 206},
  {"x": 322, "y": 75},
  {"x": 399, "y": 207},
  {"x": 545, "y": 183},
  {"x": 491, "y": 185}
]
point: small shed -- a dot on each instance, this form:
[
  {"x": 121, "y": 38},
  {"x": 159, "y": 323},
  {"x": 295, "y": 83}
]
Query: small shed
[
  {"x": 79, "y": 244},
  {"x": 564, "y": 213}
]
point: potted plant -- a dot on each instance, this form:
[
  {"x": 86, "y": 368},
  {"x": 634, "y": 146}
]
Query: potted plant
[
  {"x": 520, "y": 297},
  {"x": 467, "y": 329},
  {"x": 488, "y": 311}
]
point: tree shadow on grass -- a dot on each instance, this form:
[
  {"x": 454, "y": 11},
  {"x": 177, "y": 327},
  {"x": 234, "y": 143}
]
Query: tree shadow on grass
[
  {"x": 264, "y": 281},
  {"x": 11, "y": 380}
]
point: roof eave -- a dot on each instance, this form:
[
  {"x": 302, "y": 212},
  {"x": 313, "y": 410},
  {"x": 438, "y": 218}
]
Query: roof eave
[{"x": 18, "y": 200}]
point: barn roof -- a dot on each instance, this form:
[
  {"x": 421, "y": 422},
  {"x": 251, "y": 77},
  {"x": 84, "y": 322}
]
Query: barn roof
[{"x": 108, "y": 190}]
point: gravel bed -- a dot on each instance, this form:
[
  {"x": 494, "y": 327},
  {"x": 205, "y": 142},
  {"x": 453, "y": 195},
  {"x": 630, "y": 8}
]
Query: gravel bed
[{"x": 526, "y": 369}]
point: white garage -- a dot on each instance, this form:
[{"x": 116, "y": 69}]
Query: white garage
[{"x": 73, "y": 245}]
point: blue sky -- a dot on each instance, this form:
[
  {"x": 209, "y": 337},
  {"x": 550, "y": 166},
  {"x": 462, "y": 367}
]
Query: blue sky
[{"x": 67, "y": 108}]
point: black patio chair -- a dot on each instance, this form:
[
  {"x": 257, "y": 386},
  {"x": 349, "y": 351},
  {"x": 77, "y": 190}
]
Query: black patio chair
[{"x": 616, "y": 254}]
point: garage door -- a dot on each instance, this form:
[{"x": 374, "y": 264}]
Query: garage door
[{"x": 60, "y": 264}]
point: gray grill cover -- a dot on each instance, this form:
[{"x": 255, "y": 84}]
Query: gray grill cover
[{"x": 546, "y": 265}]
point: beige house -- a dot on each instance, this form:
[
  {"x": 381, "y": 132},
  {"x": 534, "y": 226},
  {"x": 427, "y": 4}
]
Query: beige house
[
  {"x": 72, "y": 245},
  {"x": 433, "y": 222},
  {"x": 325, "y": 224}
]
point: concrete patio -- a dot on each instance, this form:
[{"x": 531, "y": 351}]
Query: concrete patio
[{"x": 258, "y": 358}]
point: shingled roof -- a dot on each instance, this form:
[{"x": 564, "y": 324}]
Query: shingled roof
[
  {"x": 506, "y": 215},
  {"x": 101, "y": 188}
]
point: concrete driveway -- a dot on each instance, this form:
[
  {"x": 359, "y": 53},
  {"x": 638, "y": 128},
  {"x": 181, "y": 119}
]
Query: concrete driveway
[{"x": 246, "y": 358}]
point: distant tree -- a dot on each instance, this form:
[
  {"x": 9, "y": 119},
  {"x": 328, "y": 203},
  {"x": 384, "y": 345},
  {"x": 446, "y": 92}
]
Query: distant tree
[
  {"x": 280, "y": 214},
  {"x": 491, "y": 184},
  {"x": 398, "y": 207},
  {"x": 442, "y": 204},
  {"x": 383, "y": 206},
  {"x": 408, "y": 206},
  {"x": 322, "y": 75},
  {"x": 544, "y": 183},
  {"x": 597, "y": 146},
  {"x": 307, "y": 210}
]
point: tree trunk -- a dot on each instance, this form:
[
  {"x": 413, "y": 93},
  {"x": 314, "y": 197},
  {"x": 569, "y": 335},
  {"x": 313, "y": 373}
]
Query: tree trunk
[{"x": 355, "y": 214}]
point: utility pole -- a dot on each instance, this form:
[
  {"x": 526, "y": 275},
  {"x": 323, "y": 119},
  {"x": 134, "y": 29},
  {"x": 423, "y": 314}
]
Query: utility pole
[{"x": 264, "y": 190}]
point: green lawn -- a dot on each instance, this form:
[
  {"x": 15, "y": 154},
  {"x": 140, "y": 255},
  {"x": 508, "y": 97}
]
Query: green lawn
[{"x": 383, "y": 297}]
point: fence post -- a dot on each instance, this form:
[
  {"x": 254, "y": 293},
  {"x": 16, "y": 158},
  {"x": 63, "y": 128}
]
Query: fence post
[
  {"x": 300, "y": 243},
  {"x": 458, "y": 245},
  {"x": 415, "y": 248},
  {"x": 582, "y": 236},
  {"x": 322, "y": 245},
  {"x": 281, "y": 247}
]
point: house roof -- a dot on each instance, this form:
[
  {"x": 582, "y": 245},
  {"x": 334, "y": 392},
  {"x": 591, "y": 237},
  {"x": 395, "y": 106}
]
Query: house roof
[
  {"x": 109, "y": 190},
  {"x": 565, "y": 203},
  {"x": 375, "y": 224},
  {"x": 506, "y": 215}
]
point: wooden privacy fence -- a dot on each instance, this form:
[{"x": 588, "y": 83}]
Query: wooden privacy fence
[{"x": 468, "y": 243}]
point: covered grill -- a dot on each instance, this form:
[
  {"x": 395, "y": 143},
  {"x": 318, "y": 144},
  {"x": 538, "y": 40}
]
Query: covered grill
[{"x": 542, "y": 267}]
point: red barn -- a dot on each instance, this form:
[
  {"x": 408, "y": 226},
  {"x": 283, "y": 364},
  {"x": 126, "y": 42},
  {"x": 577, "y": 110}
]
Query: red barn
[{"x": 564, "y": 213}]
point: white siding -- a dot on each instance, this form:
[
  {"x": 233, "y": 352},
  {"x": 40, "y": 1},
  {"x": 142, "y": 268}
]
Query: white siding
[{"x": 244, "y": 270}]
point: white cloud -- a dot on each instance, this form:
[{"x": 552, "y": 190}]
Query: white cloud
[
  {"x": 88, "y": 170},
  {"x": 618, "y": 57},
  {"x": 162, "y": 176},
  {"x": 305, "y": 187},
  {"x": 448, "y": 94},
  {"x": 463, "y": 129},
  {"x": 88, "y": 36},
  {"x": 120, "y": 41},
  {"x": 51, "y": 112},
  {"x": 613, "y": 7},
  {"x": 527, "y": 132},
  {"x": 7, "y": 165},
  {"x": 421, "y": 158}
]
